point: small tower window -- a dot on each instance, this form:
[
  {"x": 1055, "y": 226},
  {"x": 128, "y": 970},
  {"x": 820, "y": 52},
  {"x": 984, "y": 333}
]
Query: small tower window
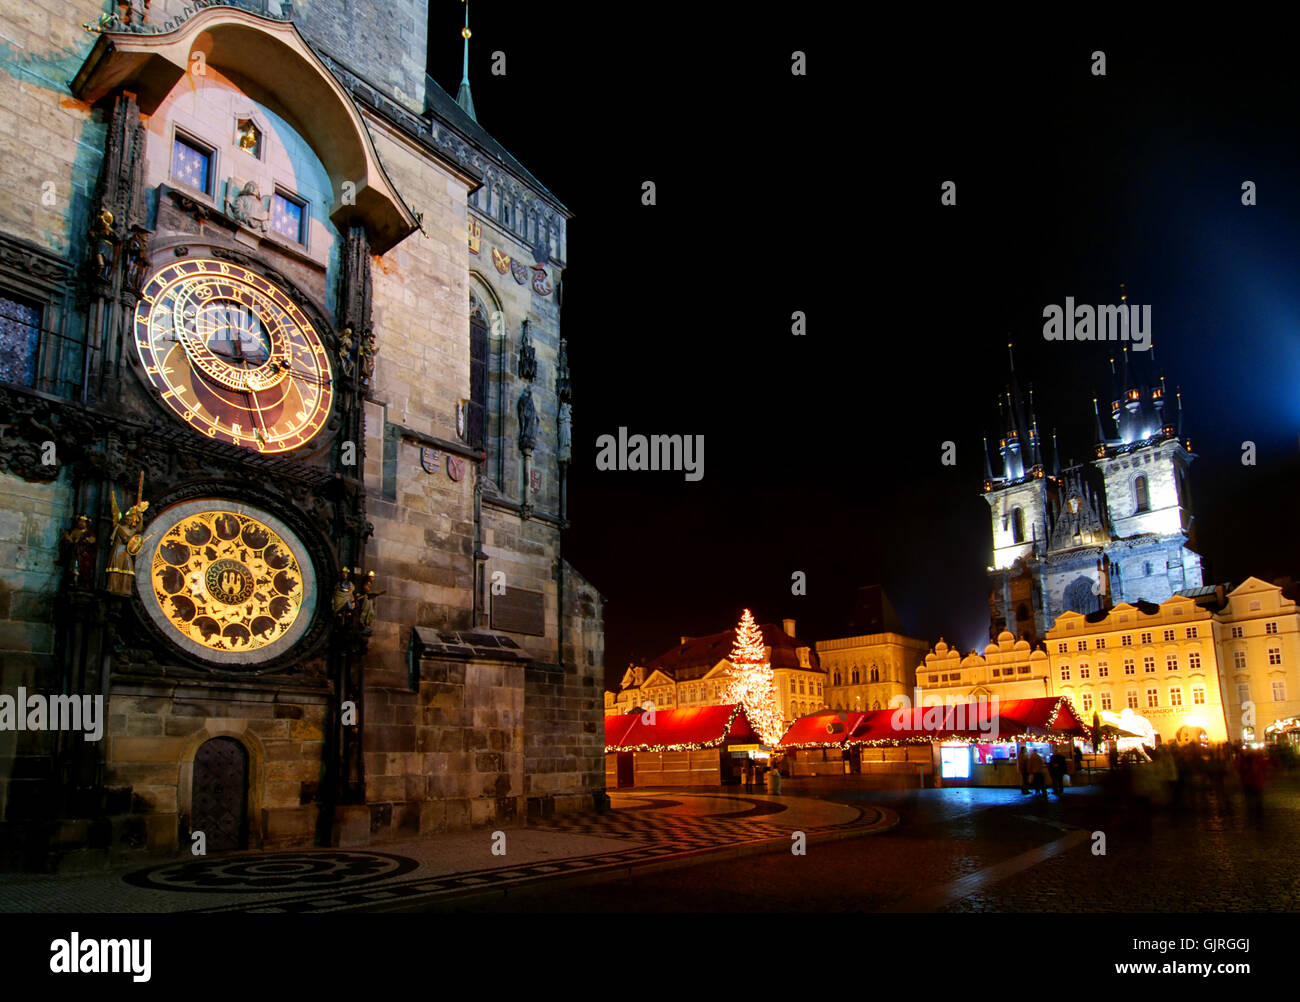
[
  {"x": 1141, "y": 495},
  {"x": 1018, "y": 525}
]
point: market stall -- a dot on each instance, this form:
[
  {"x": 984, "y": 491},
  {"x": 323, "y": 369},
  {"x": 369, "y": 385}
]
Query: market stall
[{"x": 687, "y": 746}]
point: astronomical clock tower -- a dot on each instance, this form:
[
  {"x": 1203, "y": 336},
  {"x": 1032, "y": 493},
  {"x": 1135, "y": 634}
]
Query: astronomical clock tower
[{"x": 212, "y": 468}]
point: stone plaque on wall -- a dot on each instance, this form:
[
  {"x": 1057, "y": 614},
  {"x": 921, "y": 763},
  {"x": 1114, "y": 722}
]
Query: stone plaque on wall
[{"x": 519, "y": 611}]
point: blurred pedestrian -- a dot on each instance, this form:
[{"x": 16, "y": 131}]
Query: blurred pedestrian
[
  {"x": 749, "y": 775},
  {"x": 1022, "y": 762},
  {"x": 1056, "y": 766},
  {"x": 1038, "y": 772}
]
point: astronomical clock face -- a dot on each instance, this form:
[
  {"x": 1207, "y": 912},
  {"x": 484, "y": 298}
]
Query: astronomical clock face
[
  {"x": 233, "y": 356},
  {"x": 226, "y": 582}
]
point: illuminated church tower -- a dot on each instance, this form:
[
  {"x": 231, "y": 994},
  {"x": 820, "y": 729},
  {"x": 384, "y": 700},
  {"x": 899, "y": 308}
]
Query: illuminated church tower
[{"x": 1117, "y": 529}]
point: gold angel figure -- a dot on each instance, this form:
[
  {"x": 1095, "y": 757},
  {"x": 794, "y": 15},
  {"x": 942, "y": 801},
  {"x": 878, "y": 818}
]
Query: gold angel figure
[{"x": 126, "y": 542}]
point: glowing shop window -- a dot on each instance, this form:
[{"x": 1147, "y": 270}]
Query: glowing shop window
[{"x": 954, "y": 763}]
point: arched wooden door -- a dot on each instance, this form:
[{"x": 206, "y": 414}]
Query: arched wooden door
[{"x": 219, "y": 806}]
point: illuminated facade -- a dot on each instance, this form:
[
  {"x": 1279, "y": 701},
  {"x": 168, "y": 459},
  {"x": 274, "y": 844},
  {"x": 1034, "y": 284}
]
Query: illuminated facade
[
  {"x": 1117, "y": 529},
  {"x": 866, "y": 672},
  {"x": 1160, "y": 661},
  {"x": 1008, "y": 669},
  {"x": 693, "y": 673},
  {"x": 1257, "y": 634},
  {"x": 287, "y": 426}
]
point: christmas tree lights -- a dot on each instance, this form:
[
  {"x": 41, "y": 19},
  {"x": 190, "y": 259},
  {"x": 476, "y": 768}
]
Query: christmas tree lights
[{"x": 751, "y": 682}]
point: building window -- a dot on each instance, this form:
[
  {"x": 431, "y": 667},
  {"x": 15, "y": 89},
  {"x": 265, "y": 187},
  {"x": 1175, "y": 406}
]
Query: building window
[
  {"x": 1238, "y": 633},
  {"x": 1279, "y": 690},
  {"x": 857, "y": 676},
  {"x": 1105, "y": 700},
  {"x": 1023, "y": 669},
  {"x": 1169, "y": 634},
  {"x": 1126, "y": 640},
  {"x": 476, "y": 416},
  {"x": 1243, "y": 692},
  {"x": 1239, "y": 659},
  {"x": 1132, "y": 699},
  {"x": 1065, "y": 673},
  {"x": 1192, "y": 633},
  {"x": 1082, "y": 645},
  {"x": 1129, "y": 667},
  {"x": 1141, "y": 495},
  {"x": 1153, "y": 698},
  {"x": 801, "y": 688},
  {"x": 1198, "y": 695},
  {"x": 1101, "y": 643},
  {"x": 1103, "y": 669},
  {"x": 1149, "y": 663},
  {"x": 1194, "y": 660},
  {"x": 1270, "y": 627},
  {"x": 192, "y": 163},
  {"x": 837, "y": 678},
  {"x": 1275, "y": 655},
  {"x": 1176, "y": 697},
  {"x": 1146, "y": 638},
  {"x": 1062, "y": 648},
  {"x": 1084, "y": 672},
  {"x": 20, "y": 341},
  {"x": 1171, "y": 662},
  {"x": 1018, "y": 526},
  {"x": 289, "y": 217},
  {"x": 250, "y": 137},
  {"x": 1087, "y": 702}
]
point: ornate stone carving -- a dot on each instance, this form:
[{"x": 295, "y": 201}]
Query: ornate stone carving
[
  {"x": 527, "y": 421},
  {"x": 527, "y": 367},
  {"x": 247, "y": 208},
  {"x": 77, "y": 548}
]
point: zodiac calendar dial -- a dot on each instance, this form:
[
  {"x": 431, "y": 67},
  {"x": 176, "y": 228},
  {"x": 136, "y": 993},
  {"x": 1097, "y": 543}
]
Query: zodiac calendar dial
[
  {"x": 231, "y": 584},
  {"x": 233, "y": 356}
]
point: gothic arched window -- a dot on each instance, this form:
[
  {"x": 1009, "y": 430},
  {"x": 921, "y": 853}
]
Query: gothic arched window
[
  {"x": 856, "y": 676},
  {"x": 476, "y": 418},
  {"x": 1018, "y": 525},
  {"x": 1141, "y": 494},
  {"x": 837, "y": 677}
]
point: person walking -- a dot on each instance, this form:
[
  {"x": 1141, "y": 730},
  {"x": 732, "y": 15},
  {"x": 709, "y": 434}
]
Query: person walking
[
  {"x": 1078, "y": 759},
  {"x": 1056, "y": 766},
  {"x": 1038, "y": 771},
  {"x": 1022, "y": 762},
  {"x": 749, "y": 775}
]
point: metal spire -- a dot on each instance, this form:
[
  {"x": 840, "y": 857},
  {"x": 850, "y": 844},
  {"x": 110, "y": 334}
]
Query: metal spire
[{"x": 463, "y": 97}]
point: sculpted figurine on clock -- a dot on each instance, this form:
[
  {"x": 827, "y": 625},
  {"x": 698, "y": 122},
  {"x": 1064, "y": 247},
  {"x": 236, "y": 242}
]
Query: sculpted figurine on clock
[{"x": 233, "y": 356}]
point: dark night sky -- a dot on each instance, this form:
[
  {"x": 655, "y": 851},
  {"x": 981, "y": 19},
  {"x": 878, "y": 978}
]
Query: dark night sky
[{"x": 777, "y": 193}]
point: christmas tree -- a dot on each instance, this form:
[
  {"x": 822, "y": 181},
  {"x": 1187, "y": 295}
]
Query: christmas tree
[{"x": 751, "y": 682}]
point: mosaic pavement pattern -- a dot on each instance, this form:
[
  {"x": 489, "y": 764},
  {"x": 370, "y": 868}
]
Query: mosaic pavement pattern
[{"x": 655, "y": 827}]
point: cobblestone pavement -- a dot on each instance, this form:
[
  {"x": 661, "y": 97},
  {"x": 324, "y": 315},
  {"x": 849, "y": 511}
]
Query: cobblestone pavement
[
  {"x": 646, "y": 829},
  {"x": 964, "y": 850}
]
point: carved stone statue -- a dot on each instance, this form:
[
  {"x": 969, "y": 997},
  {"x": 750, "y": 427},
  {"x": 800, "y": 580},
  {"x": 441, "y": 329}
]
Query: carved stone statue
[
  {"x": 527, "y": 367},
  {"x": 527, "y": 421},
  {"x": 366, "y": 357},
  {"x": 366, "y": 617},
  {"x": 247, "y": 207},
  {"x": 77, "y": 554},
  {"x": 126, "y": 542},
  {"x": 344, "y": 598},
  {"x": 563, "y": 386},
  {"x": 137, "y": 255},
  {"x": 105, "y": 244},
  {"x": 565, "y": 451},
  {"x": 345, "y": 352}
]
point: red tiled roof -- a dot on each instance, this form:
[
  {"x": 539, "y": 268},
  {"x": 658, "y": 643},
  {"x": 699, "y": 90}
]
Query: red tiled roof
[
  {"x": 694, "y": 658},
  {"x": 818, "y": 729},
  {"x": 687, "y": 726}
]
